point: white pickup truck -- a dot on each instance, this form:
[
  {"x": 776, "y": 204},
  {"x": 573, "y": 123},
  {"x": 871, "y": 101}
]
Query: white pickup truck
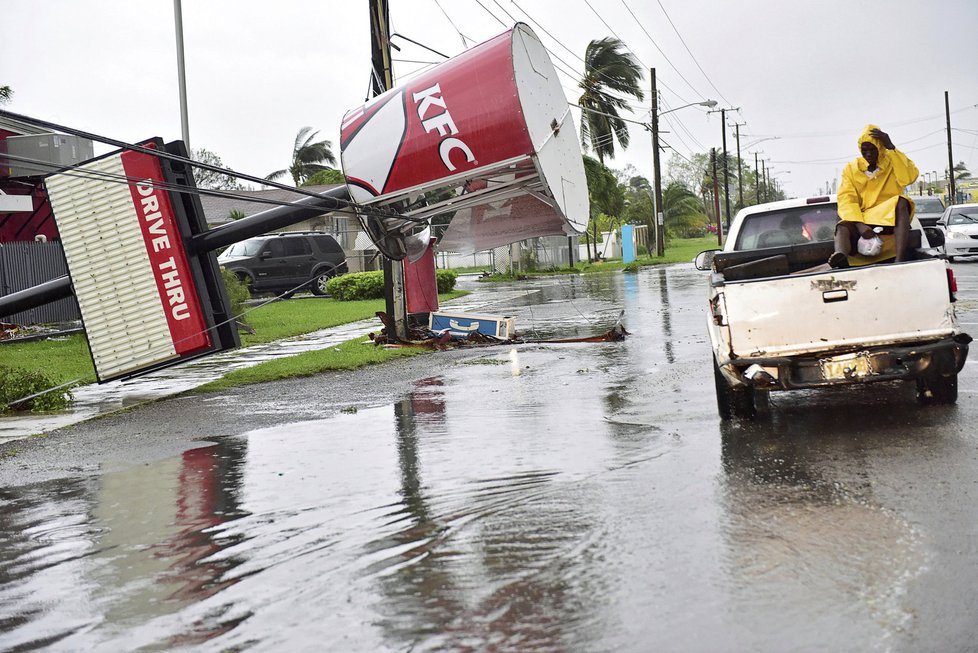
[{"x": 779, "y": 318}]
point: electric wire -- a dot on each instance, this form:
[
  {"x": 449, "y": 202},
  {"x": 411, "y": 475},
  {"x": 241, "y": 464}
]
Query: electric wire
[
  {"x": 452, "y": 22},
  {"x": 683, "y": 41},
  {"x": 346, "y": 204},
  {"x": 167, "y": 155}
]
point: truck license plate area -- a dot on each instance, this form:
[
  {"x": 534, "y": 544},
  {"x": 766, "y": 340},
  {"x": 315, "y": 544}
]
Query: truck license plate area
[{"x": 848, "y": 366}]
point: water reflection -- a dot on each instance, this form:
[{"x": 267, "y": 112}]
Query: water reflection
[
  {"x": 479, "y": 566},
  {"x": 115, "y": 552},
  {"x": 667, "y": 308},
  {"x": 805, "y": 530}
]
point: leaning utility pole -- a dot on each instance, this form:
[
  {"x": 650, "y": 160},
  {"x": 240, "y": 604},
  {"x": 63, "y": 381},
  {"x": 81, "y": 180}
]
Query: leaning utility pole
[
  {"x": 951, "y": 190},
  {"x": 740, "y": 169},
  {"x": 382, "y": 79},
  {"x": 656, "y": 174}
]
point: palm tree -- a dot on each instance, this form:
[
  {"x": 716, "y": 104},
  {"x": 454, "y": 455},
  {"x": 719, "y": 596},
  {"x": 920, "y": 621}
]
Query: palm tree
[
  {"x": 307, "y": 157},
  {"x": 961, "y": 171},
  {"x": 608, "y": 69},
  {"x": 681, "y": 209}
]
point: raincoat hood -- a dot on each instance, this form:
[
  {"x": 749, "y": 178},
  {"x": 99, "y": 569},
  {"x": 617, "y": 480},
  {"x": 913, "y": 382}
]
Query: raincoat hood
[{"x": 865, "y": 137}]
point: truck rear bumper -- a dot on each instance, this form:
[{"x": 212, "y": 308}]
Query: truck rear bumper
[{"x": 887, "y": 363}]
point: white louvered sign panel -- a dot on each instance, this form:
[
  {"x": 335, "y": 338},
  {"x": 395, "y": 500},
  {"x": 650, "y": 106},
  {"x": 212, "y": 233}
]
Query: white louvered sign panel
[{"x": 112, "y": 274}]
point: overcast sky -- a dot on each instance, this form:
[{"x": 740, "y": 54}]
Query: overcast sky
[{"x": 811, "y": 74}]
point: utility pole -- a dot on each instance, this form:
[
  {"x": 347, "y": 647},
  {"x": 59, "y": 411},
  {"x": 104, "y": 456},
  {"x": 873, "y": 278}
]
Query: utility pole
[
  {"x": 757, "y": 181},
  {"x": 952, "y": 196},
  {"x": 726, "y": 178},
  {"x": 382, "y": 79},
  {"x": 716, "y": 196},
  {"x": 764, "y": 177},
  {"x": 656, "y": 173},
  {"x": 740, "y": 169}
]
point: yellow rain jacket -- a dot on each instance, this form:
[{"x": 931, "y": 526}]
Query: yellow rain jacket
[{"x": 873, "y": 199}]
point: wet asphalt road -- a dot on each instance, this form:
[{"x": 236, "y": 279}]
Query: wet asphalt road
[{"x": 577, "y": 497}]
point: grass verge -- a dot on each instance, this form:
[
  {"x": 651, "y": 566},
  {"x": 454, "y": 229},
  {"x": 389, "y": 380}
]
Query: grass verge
[
  {"x": 348, "y": 355},
  {"x": 679, "y": 250},
  {"x": 67, "y": 359}
]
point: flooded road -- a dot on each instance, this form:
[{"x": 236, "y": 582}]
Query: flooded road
[{"x": 552, "y": 497}]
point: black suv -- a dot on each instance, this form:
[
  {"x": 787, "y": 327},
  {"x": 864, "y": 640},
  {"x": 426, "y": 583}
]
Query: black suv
[{"x": 281, "y": 262}]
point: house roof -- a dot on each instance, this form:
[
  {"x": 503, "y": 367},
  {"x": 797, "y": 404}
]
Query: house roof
[
  {"x": 17, "y": 127},
  {"x": 217, "y": 209}
]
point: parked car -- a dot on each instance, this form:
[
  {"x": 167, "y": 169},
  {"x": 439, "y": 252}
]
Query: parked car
[
  {"x": 960, "y": 225},
  {"x": 282, "y": 262},
  {"x": 928, "y": 209}
]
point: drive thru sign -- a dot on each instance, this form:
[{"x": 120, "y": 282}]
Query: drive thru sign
[{"x": 134, "y": 282}]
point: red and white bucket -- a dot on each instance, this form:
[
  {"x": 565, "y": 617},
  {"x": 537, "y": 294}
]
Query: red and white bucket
[{"x": 485, "y": 138}]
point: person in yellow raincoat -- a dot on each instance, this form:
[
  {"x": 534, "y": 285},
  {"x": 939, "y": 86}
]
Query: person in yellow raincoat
[{"x": 871, "y": 195}]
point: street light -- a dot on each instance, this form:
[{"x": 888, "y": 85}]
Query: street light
[
  {"x": 660, "y": 245},
  {"x": 704, "y": 103}
]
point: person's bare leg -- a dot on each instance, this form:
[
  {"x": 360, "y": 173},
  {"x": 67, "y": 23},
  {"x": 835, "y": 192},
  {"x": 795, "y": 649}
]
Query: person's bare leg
[
  {"x": 901, "y": 230},
  {"x": 843, "y": 245}
]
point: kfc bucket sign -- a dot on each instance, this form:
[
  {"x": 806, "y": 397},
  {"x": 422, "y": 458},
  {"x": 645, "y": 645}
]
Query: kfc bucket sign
[{"x": 486, "y": 137}]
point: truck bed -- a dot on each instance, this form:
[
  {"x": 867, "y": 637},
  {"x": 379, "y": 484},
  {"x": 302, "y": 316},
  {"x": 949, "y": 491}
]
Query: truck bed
[{"x": 837, "y": 309}]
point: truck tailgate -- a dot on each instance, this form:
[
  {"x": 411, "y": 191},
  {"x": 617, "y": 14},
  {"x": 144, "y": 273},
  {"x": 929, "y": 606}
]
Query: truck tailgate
[{"x": 873, "y": 305}]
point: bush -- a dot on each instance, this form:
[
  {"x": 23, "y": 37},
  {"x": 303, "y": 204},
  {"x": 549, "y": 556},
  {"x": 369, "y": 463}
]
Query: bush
[
  {"x": 357, "y": 285},
  {"x": 446, "y": 280},
  {"x": 370, "y": 285},
  {"x": 17, "y": 383},
  {"x": 237, "y": 291}
]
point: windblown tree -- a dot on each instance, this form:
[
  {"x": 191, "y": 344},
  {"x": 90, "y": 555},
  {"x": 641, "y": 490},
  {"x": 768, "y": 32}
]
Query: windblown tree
[
  {"x": 682, "y": 212},
  {"x": 605, "y": 195},
  {"x": 6, "y": 93},
  {"x": 610, "y": 72},
  {"x": 308, "y": 157},
  {"x": 961, "y": 171}
]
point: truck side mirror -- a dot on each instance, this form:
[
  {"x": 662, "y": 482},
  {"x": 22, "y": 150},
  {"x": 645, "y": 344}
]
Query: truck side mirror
[
  {"x": 934, "y": 236},
  {"x": 265, "y": 255},
  {"x": 704, "y": 260}
]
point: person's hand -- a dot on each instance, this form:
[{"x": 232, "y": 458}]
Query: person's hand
[
  {"x": 865, "y": 231},
  {"x": 883, "y": 137}
]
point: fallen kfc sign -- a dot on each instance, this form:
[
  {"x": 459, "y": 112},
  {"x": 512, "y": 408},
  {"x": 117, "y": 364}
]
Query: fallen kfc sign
[{"x": 145, "y": 302}]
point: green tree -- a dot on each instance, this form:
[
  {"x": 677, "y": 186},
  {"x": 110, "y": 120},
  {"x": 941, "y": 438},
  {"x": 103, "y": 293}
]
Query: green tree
[
  {"x": 682, "y": 212},
  {"x": 325, "y": 177},
  {"x": 608, "y": 70},
  {"x": 6, "y": 94},
  {"x": 211, "y": 179},
  {"x": 961, "y": 171},
  {"x": 605, "y": 195},
  {"x": 308, "y": 156}
]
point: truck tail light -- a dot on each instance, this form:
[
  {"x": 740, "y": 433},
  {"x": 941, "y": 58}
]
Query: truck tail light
[{"x": 952, "y": 285}]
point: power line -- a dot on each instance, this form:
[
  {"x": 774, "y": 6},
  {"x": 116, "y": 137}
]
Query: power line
[
  {"x": 664, "y": 55},
  {"x": 464, "y": 37},
  {"x": 683, "y": 41}
]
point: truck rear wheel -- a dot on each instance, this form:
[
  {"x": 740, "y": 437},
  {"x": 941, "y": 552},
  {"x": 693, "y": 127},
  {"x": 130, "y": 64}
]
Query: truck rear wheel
[
  {"x": 939, "y": 385},
  {"x": 733, "y": 401}
]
